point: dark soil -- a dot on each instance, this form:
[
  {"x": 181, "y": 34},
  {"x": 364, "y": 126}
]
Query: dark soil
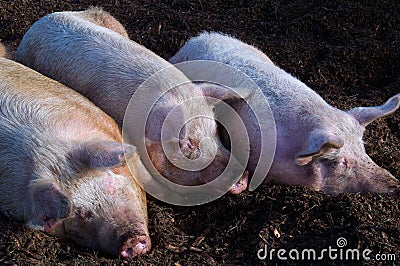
[{"x": 348, "y": 51}]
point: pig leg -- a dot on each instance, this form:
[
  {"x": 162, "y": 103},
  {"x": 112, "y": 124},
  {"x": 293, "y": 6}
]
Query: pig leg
[{"x": 49, "y": 205}]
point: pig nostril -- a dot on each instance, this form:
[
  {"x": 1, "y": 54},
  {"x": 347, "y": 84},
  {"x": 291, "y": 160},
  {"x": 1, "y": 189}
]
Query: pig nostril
[
  {"x": 127, "y": 253},
  {"x": 130, "y": 250},
  {"x": 141, "y": 248}
]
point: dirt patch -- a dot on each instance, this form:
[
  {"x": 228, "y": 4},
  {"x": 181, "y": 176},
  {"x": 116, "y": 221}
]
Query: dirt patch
[{"x": 347, "y": 51}]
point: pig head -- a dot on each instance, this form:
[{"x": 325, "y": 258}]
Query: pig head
[
  {"x": 107, "y": 214},
  {"x": 317, "y": 145},
  {"x": 181, "y": 138},
  {"x": 334, "y": 153},
  {"x": 108, "y": 206}
]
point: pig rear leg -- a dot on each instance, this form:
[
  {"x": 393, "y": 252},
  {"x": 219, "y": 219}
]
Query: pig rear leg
[{"x": 49, "y": 204}]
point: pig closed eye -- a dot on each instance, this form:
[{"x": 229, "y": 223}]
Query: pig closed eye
[{"x": 341, "y": 164}]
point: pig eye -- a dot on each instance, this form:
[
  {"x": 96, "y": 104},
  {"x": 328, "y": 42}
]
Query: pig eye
[
  {"x": 87, "y": 215},
  {"x": 343, "y": 163}
]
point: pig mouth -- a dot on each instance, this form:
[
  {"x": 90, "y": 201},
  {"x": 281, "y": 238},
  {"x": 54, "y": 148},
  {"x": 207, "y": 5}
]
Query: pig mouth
[
  {"x": 53, "y": 227},
  {"x": 49, "y": 223}
]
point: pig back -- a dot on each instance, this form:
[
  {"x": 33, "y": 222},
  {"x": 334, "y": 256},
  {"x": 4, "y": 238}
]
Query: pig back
[
  {"x": 287, "y": 96},
  {"x": 47, "y": 100},
  {"x": 95, "y": 61}
]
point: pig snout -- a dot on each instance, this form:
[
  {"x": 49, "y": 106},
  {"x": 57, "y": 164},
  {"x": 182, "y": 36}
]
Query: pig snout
[
  {"x": 358, "y": 177},
  {"x": 127, "y": 239},
  {"x": 382, "y": 182},
  {"x": 134, "y": 246}
]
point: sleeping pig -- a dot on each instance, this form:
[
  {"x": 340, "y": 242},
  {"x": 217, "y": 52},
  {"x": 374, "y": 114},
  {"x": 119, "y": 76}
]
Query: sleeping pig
[
  {"x": 85, "y": 52},
  {"x": 63, "y": 166},
  {"x": 317, "y": 145}
]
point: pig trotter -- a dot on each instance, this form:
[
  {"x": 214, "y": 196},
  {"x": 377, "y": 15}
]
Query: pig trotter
[{"x": 240, "y": 185}]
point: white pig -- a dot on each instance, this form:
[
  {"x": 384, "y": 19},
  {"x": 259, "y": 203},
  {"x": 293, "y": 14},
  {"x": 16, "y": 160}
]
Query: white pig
[
  {"x": 63, "y": 166},
  {"x": 108, "y": 68},
  {"x": 317, "y": 145}
]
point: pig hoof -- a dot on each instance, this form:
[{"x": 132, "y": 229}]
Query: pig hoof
[
  {"x": 48, "y": 223},
  {"x": 132, "y": 248},
  {"x": 240, "y": 185}
]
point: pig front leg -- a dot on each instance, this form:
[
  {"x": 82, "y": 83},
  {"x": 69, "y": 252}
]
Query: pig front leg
[{"x": 49, "y": 204}]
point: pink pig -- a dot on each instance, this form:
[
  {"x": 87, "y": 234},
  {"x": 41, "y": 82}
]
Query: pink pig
[
  {"x": 63, "y": 166},
  {"x": 89, "y": 52},
  {"x": 317, "y": 145}
]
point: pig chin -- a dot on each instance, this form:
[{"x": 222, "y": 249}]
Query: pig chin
[{"x": 58, "y": 230}]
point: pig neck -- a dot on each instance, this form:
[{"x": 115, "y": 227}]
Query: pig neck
[
  {"x": 296, "y": 108},
  {"x": 51, "y": 158}
]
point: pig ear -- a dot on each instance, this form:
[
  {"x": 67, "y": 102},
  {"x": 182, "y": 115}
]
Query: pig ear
[
  {"x": 366, "y": 115},
  {"x": 103, "y": 154},
  {"x": 318, "y": 143},
  {"x": 216, "y": 93}
]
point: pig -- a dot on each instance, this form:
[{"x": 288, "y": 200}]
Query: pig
[
  {"x": 5, "y": 52},
  {"x": 108, "y": 68},
  {"x": 317, "y": 145},
  {"x": 63, "y": 166}
]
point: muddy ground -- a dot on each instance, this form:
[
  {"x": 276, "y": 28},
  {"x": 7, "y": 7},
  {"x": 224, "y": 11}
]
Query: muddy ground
[{"x": 349, "y": 52}]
